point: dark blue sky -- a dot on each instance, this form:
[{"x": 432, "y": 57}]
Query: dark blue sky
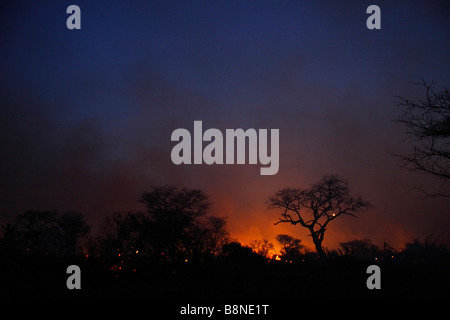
[{"x": 86, "y": 115}]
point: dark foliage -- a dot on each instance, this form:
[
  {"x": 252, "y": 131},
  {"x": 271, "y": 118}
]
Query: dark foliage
[
  {"x": 175, "y": 250},
  {"x": 44, "y": 232}
]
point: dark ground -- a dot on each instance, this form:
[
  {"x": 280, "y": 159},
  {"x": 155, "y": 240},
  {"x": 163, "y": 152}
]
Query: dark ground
[
  {"x": 45, "y": 278},
  {"x": 335, "y": 286}
]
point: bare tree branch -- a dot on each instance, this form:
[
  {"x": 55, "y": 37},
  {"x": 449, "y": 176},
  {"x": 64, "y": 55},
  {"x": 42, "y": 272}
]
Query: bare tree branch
[{"x": 427, "y": 124}]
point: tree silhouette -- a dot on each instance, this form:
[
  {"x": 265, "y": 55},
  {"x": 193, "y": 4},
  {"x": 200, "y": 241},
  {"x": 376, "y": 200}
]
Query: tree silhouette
[
  {"x": 291, "y": 247},
  {"x": 427, "y": 125},
  {"x": 359, "y": 249},
  {"x": 262, "y": 247},
  {"x": 217, "y": 234},
  {"x": 237, "y": 253},
  {"x": 35, "y": 230},
  {"x": 316, "y": 207},
  {"x": 72, "y": 227},
  {"x": 46, "y": 232},
  {"x": 180, "y": 229},
  {"x": 122, "y": 236}
]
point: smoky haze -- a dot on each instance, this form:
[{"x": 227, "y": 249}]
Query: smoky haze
[{"x": 86, "y": 118}]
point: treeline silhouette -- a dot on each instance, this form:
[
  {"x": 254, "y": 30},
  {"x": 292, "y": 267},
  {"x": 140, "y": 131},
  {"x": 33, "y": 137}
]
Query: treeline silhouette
[
  {"x": 175, "y": 248},
  {"x": 174, "y": 228}
]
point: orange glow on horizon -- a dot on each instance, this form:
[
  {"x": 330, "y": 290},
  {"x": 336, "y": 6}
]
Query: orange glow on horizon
[{"x": 257, "y": 223}]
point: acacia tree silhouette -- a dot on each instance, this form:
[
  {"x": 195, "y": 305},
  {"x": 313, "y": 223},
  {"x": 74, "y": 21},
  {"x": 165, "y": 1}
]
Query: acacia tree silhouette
[{"x": 316, "y": 207}]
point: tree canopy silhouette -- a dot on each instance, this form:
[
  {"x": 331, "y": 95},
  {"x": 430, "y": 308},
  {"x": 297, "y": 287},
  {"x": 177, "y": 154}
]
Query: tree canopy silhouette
[
  {"x": 180, "y": 228},
  {"x": 291, "y": 247},
  {"x": 316, "y": 207},
  {"x": 46, "y": 232}
]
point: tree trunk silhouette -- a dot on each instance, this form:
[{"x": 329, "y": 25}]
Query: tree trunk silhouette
[{"x": 318, "y": 245}]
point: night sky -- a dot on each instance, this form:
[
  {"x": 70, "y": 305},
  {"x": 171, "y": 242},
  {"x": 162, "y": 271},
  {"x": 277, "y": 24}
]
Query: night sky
[{"x": 86, "y": 115}]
